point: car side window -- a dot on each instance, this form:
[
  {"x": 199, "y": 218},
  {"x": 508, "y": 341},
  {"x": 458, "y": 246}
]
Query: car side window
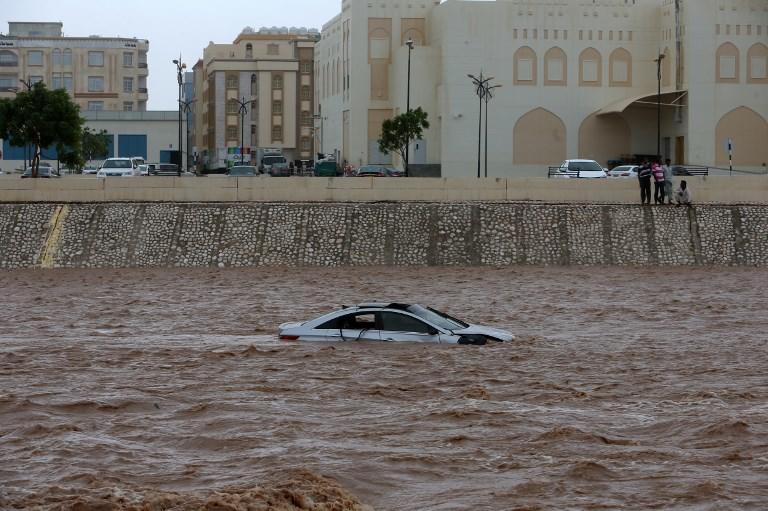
[
  {"x": 394, "y": 322},
  {"x": 357, "y": 321}
]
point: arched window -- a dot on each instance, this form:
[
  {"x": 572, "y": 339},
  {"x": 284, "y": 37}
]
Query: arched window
[
  {"x": 66, "y": 57},
  {"x": 8, "y": 58},
  {"x": 254, "y": 84},
  {"x": 555, "y": 67},
  {"x": 525, "y": 66},
  {"x": 620, "y": 68},
  {"x": 56, "y": 57},
  {"x": 590, "y": 68},
  {"x": 415, "y": 35},
  {"x": 757, "y": 63},
  {"x": 249, "y": 51},
  {"x": 727, "y": 63}
]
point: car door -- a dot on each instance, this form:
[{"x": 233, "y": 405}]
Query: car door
[
  {"x": 401, "y": 327},
  {"x": 356, "y": 326}
]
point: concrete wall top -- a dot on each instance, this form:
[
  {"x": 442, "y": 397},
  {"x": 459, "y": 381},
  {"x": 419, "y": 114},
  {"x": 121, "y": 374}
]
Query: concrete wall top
[{"x": 711, "y": 189}]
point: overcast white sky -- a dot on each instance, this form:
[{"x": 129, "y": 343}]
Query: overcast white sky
[{"x": 171, "y": 26}]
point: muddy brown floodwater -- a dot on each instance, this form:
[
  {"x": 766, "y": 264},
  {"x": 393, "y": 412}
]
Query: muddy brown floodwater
[{"x": 628, "y": 388}]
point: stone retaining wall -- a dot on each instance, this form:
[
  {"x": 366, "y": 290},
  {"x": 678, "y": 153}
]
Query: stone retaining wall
[{"x": 337, "y": 234}]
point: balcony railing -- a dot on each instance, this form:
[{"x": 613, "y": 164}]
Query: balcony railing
[
  {"x": 142, "y": 65},
  {"x": 142, "y": 90}
]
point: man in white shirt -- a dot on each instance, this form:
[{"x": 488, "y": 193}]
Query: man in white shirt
[{"x": 683, "y": 194}]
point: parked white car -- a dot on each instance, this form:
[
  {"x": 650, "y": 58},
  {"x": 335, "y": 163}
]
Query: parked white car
[
  {"x": 118, "y": 167},
  {"x": 579, "y": 169},
  {"x": 623, "y": 171}
]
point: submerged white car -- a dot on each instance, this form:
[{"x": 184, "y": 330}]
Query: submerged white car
[{"x": 393, "y": 322}]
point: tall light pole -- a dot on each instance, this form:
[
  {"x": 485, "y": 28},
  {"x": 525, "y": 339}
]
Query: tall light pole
[
  {"x": 409, "y": 43},
  {"x": 180, "y": 67},
  {"x": 658, "y": 106},
  {"x": 480, "y": 84},
  {"x": 28, "y": 84},
  {"x": 185, "y": 106},
  {"x": 488, "y": 97},
  {"x": 243, "y": 110}
]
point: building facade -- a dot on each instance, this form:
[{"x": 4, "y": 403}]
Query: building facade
[
  {"x": 257, "y": 90},
  {"x": 153, "y": 135},
  {"x": 578, "y": 79},
  {"x": 100, "y": 73}
]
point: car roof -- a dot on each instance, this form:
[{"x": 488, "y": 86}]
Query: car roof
[{"x": 578, "y": 160}]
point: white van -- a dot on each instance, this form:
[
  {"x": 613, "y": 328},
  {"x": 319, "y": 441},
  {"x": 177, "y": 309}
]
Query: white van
[{"x": 118, "y": 167}]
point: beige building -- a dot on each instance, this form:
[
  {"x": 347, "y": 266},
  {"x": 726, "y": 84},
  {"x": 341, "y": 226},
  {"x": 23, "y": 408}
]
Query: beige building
[
  {"x": 101, "y": 73},
  {"x": 271, "y": 72},
  {"x": 578, "y": 77}
]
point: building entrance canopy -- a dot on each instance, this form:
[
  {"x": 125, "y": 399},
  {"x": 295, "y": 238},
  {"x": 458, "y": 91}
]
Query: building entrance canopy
[{"x": 669, "y": 99}]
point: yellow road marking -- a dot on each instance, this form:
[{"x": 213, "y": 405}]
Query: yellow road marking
[{"x": 55, "y": 228}]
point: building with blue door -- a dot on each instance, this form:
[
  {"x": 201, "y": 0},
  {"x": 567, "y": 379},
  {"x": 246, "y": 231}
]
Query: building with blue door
[{"x": 152, "y": 135}]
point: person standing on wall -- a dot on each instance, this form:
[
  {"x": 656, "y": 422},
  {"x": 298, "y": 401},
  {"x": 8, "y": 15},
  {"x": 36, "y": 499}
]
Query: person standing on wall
[
  {"x": 644, "y": 177},
  {"x": 658, "y": 177},
  {"x": 668, "y": 184}
]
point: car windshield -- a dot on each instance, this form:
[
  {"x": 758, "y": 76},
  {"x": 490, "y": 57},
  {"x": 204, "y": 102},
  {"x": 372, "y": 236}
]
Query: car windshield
[
  {"x": 241, "y": 171},
  {"x": 117, "y": 164},
  {"x": 270, "y": 160},
  {"x": 584, "y": 165},
  {"x": 436, "y": 317}
]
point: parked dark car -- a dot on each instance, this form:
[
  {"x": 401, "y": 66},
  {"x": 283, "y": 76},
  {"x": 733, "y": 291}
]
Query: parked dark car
[
  {"x": 242, "y": 171},
  {"x": 394, "y": 172},
  {"x": 163, "y": 169},
  {"x": 42, "y": 171},
  {"x": 371, "y": 171},
  {"x": 280, "y": 169}
]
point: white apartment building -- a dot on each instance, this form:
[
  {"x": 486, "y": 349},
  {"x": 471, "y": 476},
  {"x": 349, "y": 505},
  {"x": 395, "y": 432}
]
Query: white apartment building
[
  {"x": 578, "y": 79},
  {"x": 100, "y": 73},
  {"x": 257, "y": 90}
]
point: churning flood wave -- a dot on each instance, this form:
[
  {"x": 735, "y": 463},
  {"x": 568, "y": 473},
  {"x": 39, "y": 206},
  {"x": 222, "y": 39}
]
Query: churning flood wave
[{"x": 166, "y": 389}]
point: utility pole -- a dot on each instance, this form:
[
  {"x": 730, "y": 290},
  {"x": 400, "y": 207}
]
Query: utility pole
[{"x": 180, "y": 67}]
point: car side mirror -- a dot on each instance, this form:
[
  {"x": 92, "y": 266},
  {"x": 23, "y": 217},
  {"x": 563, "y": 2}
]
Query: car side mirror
[{"x": 433, "y": 331}]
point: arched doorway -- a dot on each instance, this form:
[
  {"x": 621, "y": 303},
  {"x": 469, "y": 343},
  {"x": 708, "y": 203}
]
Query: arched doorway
[
  {"x": 539, "y": 138},
  {"x": 749, "y": 132},
  {"x": 604, "y": 137}
]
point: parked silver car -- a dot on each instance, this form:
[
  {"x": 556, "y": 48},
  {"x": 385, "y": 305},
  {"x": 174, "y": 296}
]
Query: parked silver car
[
  {"x": 393, "y": 322},
  {"x": 623, "y": 171}
]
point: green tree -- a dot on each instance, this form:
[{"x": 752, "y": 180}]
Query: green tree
[
  {"x": 94, "y": 144},
  {"x": 398, "y": 132},
  {"x": 42, "y": 118}
]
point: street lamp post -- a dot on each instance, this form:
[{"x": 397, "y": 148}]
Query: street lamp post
[
  {"x": 488, "y": 97},
  {"x": 180, "y": 67},
  {"x": 410, "y": 44},
  {"x": 185, "y": 106},
  {"x": 28, "y": 84},
  {"x": 242, "y": 110},
  {"x": 658, "y": 106},
  {"x": 481, "y": 85}
]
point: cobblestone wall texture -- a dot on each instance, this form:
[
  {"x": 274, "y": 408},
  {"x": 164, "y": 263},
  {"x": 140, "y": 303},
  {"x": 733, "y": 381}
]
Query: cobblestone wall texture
[{"x": 311, "y": 234}]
